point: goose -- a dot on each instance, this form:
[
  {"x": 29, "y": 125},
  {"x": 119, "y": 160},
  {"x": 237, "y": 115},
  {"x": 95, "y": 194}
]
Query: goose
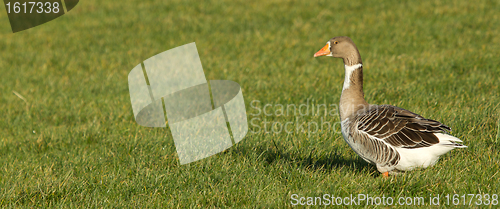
[{"x": 392, "y": 138}]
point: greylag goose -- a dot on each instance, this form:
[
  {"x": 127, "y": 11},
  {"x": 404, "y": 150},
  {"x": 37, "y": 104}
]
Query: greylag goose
[{"x": 392, "y": 138}]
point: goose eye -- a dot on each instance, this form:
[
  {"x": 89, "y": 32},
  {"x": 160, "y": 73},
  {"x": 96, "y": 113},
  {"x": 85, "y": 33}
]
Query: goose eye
[{"x": 335, "y": 42}]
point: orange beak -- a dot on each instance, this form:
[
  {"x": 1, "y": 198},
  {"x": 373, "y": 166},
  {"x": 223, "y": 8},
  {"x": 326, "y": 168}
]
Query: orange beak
[{"x": 323, "y": 51}]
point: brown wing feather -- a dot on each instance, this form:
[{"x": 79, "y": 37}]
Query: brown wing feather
[{"x": 399, "y": 127}]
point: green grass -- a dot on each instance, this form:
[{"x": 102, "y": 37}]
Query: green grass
[{"x": 75, "y": 142}]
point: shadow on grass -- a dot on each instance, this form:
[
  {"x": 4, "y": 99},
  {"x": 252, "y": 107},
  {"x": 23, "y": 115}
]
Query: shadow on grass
[{"x": 270, "y": 153}]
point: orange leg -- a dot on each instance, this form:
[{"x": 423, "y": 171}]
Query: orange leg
[{"x": 385, "y": 175}]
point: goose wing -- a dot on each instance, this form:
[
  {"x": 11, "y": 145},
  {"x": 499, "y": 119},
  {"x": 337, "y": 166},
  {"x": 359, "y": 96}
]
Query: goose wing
[
  {"x": 399, "y": 127},
  {"x": 380, "y": 129}
]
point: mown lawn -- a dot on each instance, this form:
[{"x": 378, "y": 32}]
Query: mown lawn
[{"x": 74, "y": 141}]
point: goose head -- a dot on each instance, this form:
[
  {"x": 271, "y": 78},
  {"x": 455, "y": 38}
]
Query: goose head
[{"x": 341, "y": 47}]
